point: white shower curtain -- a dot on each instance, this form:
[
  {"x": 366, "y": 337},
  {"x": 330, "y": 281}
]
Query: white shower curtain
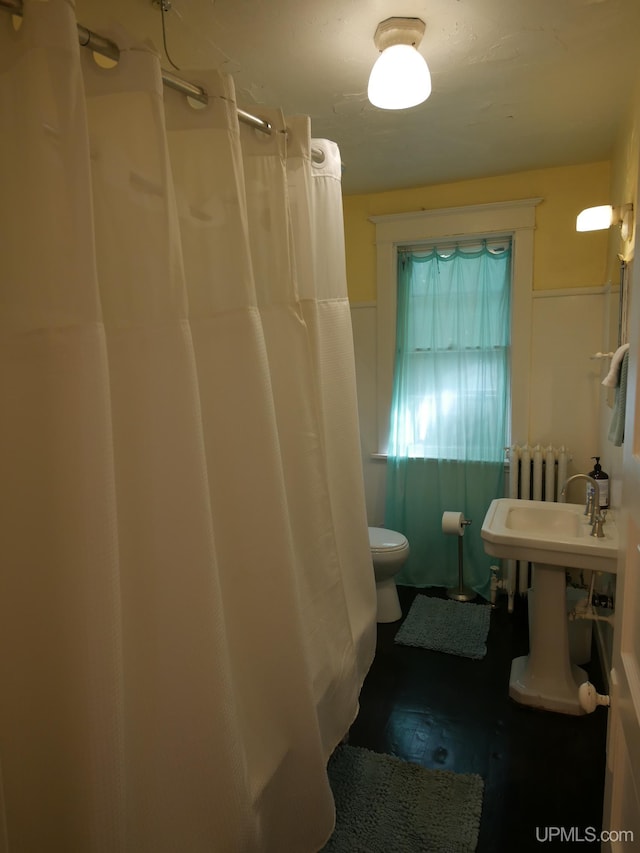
[{"x": 187, "y": 606}]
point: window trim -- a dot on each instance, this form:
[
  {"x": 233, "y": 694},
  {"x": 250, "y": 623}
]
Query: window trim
[{"x": 515, "y": 219}]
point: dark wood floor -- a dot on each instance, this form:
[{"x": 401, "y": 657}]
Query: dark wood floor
[{"x": 540, "y": 769}]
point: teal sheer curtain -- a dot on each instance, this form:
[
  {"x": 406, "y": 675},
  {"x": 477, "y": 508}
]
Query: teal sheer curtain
[{"x": 450, "y": 406}]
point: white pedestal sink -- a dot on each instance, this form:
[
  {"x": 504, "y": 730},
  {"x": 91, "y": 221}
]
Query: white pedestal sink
[{"x": 554, "y": 537}]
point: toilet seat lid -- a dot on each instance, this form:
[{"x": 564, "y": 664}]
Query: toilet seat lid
[{"x": 381, "y": 539}]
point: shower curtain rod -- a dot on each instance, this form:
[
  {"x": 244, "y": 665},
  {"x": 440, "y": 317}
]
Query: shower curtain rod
[{"x": 107, "y": 48}]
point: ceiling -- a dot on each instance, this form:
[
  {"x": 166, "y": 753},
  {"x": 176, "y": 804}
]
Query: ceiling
[{"x": 517, "y": 84}]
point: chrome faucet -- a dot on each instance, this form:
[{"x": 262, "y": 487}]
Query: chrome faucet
[{"x": 595, "y": 502}]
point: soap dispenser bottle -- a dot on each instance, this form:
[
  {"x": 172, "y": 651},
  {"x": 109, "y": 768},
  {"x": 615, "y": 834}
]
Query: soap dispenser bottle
[{"x": 603, "y": 482}]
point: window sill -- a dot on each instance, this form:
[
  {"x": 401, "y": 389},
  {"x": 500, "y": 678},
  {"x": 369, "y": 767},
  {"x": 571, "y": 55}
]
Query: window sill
[{"x": 383, "y": 457}]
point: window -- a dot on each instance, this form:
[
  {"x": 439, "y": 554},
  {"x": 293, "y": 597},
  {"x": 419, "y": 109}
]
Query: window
[
  {"x": 451, "y": 381},
  {"x": 514, "y": 220}
]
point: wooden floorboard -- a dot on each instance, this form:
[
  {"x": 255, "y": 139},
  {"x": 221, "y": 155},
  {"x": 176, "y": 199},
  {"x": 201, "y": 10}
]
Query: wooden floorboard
[{"x": 541, "y": 769}]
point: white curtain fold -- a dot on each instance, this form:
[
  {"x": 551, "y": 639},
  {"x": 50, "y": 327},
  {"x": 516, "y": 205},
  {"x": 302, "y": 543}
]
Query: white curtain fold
[{"x": 187, "y": 603}]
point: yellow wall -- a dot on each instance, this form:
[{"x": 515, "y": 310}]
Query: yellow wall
[{"x": 563, "y": 258}]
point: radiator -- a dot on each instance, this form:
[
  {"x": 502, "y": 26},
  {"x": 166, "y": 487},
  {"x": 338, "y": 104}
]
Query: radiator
[{"x": 535, "y": 473}]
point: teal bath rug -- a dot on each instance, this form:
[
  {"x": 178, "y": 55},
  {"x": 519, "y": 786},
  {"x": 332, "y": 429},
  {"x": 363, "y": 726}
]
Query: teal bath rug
[
  {"x": 386, "y": 805},
  {"x": 455, "y": 627}
]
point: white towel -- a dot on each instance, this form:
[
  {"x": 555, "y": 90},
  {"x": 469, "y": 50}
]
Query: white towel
[{"x": 611, "y": 379}]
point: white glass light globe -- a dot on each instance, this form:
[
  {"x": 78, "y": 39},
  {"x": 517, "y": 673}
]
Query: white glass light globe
[
  {"x": 399, "y": 79},
  {"x": 595, "y": 218}
]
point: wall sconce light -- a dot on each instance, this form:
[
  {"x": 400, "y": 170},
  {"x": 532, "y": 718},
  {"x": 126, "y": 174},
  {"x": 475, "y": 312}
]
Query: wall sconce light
[
  {"x": 604, "y": 216},
  {"x": 400, "y": 77}
]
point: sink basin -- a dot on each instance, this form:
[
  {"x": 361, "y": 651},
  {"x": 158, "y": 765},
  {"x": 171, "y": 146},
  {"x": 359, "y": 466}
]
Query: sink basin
[
  {"x": 551, "y": 533},
  {"x": 539, "y": 519}
]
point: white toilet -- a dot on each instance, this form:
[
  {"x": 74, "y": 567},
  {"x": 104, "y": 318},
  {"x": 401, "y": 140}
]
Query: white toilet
[{"x": 389, "y": 551}]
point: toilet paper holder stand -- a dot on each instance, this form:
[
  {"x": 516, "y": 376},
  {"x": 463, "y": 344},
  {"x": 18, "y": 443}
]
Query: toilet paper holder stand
[{"x": 461, "y": 592}]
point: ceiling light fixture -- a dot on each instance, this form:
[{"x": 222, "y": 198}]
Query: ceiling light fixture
[
  {"x": 604, "y": 216},
  {"x": 400, "y": 77}
]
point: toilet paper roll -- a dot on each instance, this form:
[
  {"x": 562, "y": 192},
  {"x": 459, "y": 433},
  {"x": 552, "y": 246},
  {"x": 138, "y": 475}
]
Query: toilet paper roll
[{"x": 453, "y": 522}]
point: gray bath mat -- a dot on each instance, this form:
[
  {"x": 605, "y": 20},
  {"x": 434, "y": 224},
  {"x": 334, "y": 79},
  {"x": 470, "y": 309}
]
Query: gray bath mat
[
  {"x": 386, "y": 805},
  {"x": 454, "y": 627}
]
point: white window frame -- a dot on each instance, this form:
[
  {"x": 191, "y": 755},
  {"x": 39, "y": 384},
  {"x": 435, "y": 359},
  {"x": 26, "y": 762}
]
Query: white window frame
[{"x": 515, "y": 219}]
